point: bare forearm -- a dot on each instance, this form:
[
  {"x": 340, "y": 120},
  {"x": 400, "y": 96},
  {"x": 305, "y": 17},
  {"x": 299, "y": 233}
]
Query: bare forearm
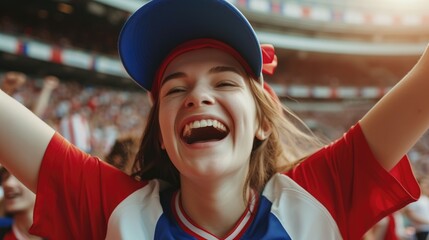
[
  {"x": 23, "y": 140},
  {"x": 401, "y": 117},
  {"x": 415, "y": 218}
]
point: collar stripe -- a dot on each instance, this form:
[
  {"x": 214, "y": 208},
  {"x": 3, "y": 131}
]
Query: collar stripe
[{"x": 191, "y": 228}]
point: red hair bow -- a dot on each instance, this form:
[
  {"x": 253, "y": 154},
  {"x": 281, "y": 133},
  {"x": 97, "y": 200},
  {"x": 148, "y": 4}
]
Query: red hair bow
[
  {"x": 269, "y": 65},
  {"x": 269, "y": 59}
]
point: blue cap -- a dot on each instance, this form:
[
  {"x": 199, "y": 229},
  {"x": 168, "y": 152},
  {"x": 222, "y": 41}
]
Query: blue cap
[{"x": 159, "y": 26}]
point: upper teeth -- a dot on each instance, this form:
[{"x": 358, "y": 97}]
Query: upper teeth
[
  {"x": 202, "y": 123},
  {"x": 10, "y": 195}
]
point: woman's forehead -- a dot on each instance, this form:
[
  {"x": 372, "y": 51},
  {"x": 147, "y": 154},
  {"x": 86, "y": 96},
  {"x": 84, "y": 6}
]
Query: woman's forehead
[{"x": 198, "y": 57}]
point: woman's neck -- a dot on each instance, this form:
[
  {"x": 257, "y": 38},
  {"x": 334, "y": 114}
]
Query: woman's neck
[
  {"x": 215, "y": 206},
  {"x": 21, "y": 224}
]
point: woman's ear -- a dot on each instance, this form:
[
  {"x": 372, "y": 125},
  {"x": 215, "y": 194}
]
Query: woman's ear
[
  {"x": 162, "y": 145},
  {"x": 263, "y": 131},
  {"x": 150, "y": 99},
  {"x": 161, "y": 142}
]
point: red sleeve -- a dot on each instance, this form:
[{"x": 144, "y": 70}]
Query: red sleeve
[
  {"x": 358, "y": 192},
  {"x": 391, "y": 229},
  {"x": 10, "y": 236},
  {"x": 76, "y": 193}
]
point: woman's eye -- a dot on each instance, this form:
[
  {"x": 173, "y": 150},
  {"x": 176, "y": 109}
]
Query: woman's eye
[
  {"x": 4, "y": 176},
  {"x": 175, "y": 90},
  {"x": 226, "y": 84}
]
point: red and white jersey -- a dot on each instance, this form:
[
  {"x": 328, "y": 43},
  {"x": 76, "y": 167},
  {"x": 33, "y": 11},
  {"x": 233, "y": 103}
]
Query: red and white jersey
[
  {"x": 14, "y": 234},
  {"x": 75, "y": 128},
  {"x": 10, "y": 236},
  {"x": 337, "y": 193}
]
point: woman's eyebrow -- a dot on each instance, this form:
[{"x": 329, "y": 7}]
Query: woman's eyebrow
[
  {"x": 219, "y": 69},
  {"x": 173, "y": 76}
]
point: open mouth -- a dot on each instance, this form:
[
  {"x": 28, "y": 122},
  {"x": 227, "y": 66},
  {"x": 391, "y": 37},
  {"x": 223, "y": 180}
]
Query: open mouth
[
  {"x": 206, "y": 130},
  {"x": 11, "y": 195}
]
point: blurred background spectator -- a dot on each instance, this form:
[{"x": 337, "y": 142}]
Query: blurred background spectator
[
  {"x": 19, "y": 205},
  {"x": 418, "y": 212}
]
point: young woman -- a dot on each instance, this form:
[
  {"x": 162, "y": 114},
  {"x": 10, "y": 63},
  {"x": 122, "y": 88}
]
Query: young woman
[
  {"x": 19, "y": 204},
  {"x": 219, "y": 158}
]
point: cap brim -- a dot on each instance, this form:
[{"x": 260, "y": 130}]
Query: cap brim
[{"x": 155, "y": 29}]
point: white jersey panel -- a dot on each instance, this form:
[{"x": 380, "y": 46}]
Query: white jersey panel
[
  {"x": 298, "y": 211},
  {"x": 136, "y": 217}
]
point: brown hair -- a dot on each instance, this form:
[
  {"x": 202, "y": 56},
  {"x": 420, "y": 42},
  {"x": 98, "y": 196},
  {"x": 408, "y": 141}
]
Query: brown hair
[
  {"x": 286, "y": 146},
  {"x": 122, "y": 153},
  {"x": 151, "y": 161}
]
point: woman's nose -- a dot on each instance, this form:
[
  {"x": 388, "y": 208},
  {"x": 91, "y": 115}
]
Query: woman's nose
[
  {"x": 9, "y": 181},
  {"x": 199, "y": 96}
]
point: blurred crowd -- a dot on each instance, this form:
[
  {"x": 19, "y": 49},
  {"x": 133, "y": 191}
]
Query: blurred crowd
[
  {"x": 53, "y": 23},
  {"x": 90, "y": 117}
]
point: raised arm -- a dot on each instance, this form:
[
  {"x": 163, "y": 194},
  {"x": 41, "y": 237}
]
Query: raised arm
[
  {"x": 23, "y": 140},
  {"x": 415, "y": 218},
  {"x": 400, "y": 118},
  {"x": 49, "y": 84}
]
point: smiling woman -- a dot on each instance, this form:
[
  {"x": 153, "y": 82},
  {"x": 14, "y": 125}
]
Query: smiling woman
[
  {"x": 208, "y": 90},
  {"x": 19, "y": 204},
  {"x": 220, "y": 158}
]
